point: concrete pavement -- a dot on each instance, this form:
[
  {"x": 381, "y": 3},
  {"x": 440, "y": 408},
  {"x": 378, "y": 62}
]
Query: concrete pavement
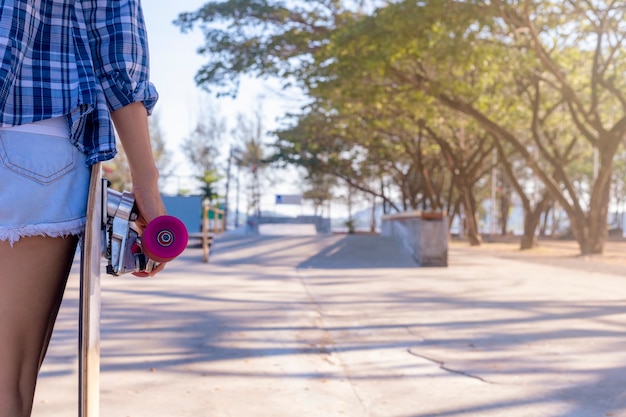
[{"x": 348, "y": 326}]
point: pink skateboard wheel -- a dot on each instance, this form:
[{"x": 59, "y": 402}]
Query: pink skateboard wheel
[{"x": 164, "y": 238}]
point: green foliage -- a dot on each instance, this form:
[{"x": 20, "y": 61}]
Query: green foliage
[
  {"x": 208, "y": 180},
  {"x": 258, "y": 37}
]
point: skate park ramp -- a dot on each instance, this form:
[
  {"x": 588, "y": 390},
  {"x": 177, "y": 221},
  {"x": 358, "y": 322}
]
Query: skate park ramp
[{"x": 339, "y": 251}]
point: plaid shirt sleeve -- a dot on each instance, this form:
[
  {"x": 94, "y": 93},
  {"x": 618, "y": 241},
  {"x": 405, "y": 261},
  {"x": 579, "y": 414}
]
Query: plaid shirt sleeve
[
  {"x": 119, "y": 48},
  {"x": 49, "y": 51}
]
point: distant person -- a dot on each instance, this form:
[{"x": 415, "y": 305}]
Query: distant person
[{"x": 68, "y": 69}]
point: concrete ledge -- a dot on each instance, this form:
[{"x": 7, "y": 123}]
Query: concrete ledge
[{"x": 425, "y": 235}]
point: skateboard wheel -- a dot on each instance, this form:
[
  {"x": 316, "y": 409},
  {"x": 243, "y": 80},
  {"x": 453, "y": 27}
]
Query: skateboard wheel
[
  {"x": 136, "y": 249},
  {"x": 164, "y": 239}
]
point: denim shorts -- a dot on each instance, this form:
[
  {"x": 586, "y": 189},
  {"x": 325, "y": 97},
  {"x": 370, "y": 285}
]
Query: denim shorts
[{"x": 44, "y": 182}]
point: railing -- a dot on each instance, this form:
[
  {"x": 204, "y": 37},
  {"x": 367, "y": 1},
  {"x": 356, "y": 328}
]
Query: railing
[{"x": 213, "y": 221}]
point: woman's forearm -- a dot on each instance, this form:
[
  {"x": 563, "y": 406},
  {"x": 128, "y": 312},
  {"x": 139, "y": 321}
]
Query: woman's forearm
[{"x": 131, "y": 123}]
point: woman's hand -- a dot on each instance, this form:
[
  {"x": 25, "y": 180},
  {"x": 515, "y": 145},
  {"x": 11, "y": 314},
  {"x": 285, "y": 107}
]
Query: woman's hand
[{"x": 149, "y": 203}]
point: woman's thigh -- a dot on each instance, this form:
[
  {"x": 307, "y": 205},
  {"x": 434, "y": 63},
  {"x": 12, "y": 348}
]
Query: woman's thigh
[{"x": 33, "y": 275}]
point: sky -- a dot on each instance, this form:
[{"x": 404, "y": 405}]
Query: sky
[{"x": 174, "y": 62}]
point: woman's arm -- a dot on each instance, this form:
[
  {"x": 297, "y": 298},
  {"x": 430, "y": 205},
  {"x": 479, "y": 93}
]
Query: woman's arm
[
  {"x": 131, "y": 123},
  {"x": 119, "y": 48}
]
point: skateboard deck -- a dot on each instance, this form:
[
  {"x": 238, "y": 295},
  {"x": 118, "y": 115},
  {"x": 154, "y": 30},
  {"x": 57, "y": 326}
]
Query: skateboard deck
[
  {"x": 111, "y": 234},
  {"x": 89, "y": 314}
]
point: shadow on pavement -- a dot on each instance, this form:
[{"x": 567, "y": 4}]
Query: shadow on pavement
[{"x": 361, "y": 251}]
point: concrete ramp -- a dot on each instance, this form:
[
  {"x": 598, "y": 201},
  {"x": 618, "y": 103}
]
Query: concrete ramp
[{"x": 312, "y": 252}]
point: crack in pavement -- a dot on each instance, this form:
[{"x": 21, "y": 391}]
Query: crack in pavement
[
  {"x": 443, "y": 367},
  {"x": 328, "y": 346}
]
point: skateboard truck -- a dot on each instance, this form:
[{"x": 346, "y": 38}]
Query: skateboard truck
[{"x": 126, "y": 251}]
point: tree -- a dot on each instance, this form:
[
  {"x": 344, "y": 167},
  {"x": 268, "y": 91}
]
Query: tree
[
  {"x": 542, "y": 78},
  {"x": 249, "y": 134},
  {"x": 262, "y": 37},
  {"x": 202, "y": 152},
  {"x": 296, "y": 35},
  {"x": 200, "y": 147},
  {"x": 583, "y": 61},
  {"x": 467, "y": 151},
  {"x": 319, "y": 190},
  {"x": 423, "y": 46},
  {"x": 208, "y": 180},
  {"x": 322, "y": 144}
]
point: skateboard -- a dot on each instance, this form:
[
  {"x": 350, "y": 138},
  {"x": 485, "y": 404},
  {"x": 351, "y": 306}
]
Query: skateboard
[{"x": 111, "y": 236}]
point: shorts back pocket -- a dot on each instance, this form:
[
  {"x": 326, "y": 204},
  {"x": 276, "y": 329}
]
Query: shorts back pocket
[{"x": 41, "y": 158}]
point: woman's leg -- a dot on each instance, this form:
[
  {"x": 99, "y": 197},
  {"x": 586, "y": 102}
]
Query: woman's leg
[{"x": 33, "y": 274}]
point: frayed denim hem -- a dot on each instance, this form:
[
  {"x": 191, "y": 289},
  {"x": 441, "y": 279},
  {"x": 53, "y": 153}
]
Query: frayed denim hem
[{"x": 63, "y": 229}]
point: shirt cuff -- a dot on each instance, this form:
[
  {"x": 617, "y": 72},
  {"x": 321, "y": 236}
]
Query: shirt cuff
[{"x": 119, "y": 93}]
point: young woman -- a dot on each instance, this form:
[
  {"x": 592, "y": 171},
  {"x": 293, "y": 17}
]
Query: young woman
[{"x": 69, "y": 71}]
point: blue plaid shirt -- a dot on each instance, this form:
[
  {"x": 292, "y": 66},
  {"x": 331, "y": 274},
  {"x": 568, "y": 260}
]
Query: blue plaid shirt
[{"x": 80, "y": 59}]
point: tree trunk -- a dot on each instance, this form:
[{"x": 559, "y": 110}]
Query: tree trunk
[
  {"x": 531, "y": 222},
  {"x": 532, "y": 218},
  {"x": 546, "y": 216},
  {"x": 590, "y": 231},
  {"x": 373, "y": 217},
  {"x": 454, "y": 210},
  {"x": 505, "y": 207},
  {"x": 590, "y": 241},
  {"x": 469, "y": 204}
]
